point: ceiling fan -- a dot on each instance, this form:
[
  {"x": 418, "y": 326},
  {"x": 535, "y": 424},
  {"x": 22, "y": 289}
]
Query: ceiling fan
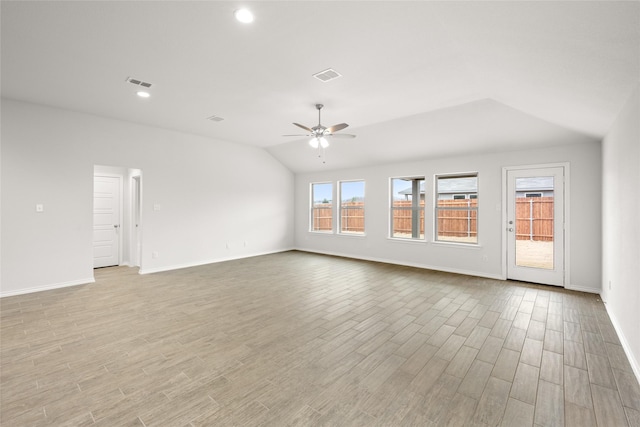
[{"x": 320, "y": 135}]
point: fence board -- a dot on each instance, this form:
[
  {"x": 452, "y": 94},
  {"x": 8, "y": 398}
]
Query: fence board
[
  {"x": 534, "y": 218},
  {"x": 458, "y": 223},
  {"x": 322, "y": 217},
  {"x": 402, "y": 217}
]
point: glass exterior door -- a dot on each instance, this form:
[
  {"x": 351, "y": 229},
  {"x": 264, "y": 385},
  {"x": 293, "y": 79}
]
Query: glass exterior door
[{"x": 535, "y": 225}]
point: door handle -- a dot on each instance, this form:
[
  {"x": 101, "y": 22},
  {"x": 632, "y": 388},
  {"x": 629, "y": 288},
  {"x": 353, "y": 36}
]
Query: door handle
[
  {"x": 510, "y": 229},
  {"x": 116, "y": 225}
]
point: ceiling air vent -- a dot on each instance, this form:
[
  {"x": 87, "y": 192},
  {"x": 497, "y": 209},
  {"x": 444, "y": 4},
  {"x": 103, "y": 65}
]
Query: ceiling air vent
[
  {"x": 327, "y": 75},
  {"x": 138, "y": 82},
  {"x": 215, "y": 119}
]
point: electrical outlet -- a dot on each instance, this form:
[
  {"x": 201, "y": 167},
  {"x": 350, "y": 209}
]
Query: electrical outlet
[
  {"x": 39, "y": 208},
  {"x": 485, "y": 258},
  {"x": 154, "y": 255}
]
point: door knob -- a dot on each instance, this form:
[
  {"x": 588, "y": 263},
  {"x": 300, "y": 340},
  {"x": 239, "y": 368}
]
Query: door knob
[
  {"x": 116, "y": 225},
  {"x": 510, "y": 229}
]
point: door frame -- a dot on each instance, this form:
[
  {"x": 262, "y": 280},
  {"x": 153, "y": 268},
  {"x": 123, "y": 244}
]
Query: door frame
[
  {"x": 135, "y": 242},
  {"x": 567, "y": 216},
  {"x": 120, "y": 207}
]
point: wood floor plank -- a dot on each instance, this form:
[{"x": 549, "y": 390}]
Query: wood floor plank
[
  {"x": 490, "y": 349},
  {"x": 461, "y": 361},
  {"x": 629, "y": 389},
  {"x": 574, "y": 354},
  {"x": 506, "y": 365},
  {"x": 551, "y": 368},
  {"x": 492, "y": 403},
  {"x": 525, "y": 383},
  {"x": 303, "y": 339},
  {"x": 578, "y": 416},
  {"x": 515, "y": 339},
  {"x": 532, "y": 352},
  {"x": 554, "y": 341},
  {"x": 549, "y": 410},
  {"x": 577, "y": 389},
  {"x": 600, "y": 371},
  {"x": 517, "y": 414},
  {"x": 608, "y": 407},
  {"x": 476, "y": 378}
]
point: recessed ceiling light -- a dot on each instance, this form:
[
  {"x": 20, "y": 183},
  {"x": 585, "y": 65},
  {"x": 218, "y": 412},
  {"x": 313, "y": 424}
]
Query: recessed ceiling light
[
  {"x": 244, "y": 15},
  {"x": 143, "y": 94}
]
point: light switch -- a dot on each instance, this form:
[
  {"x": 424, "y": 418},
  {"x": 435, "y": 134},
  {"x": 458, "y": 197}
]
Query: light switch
[
  {"x": 156, "y": 207},
  {"x": 39, "y": 207}
]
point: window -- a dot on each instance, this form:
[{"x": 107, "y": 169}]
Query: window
[
  {"x": 456, "y": 208},
  {"x": 351, "y": 207},
  {"x": 321, "y": 207},
  {"x": 407, "y": 208}
]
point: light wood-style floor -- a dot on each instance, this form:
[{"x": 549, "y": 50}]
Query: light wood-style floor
[{"x": 311, "y": 340}]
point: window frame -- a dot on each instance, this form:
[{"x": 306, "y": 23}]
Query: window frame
[
  {"x": 421, "y": 210},
  {"x": 468, "y": 208},
  {"x": 312, "y": 208},
  {"x": 340, "y": 208}
]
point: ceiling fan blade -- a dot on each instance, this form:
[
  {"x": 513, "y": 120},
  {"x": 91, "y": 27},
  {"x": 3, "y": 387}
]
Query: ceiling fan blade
[
  {"x": 304, "y": 127},
  {"x": 298, "y": 135},
  {"x": 336, "y": 128},
  {"x": 340, "y": 135}
]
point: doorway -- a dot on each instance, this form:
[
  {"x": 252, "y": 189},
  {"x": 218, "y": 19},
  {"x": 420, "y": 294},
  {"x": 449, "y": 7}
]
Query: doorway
[
  {"x": 117, "y": 219},
  {"x": 107, "y": 217},
  {"x": 535, "y": 229}
]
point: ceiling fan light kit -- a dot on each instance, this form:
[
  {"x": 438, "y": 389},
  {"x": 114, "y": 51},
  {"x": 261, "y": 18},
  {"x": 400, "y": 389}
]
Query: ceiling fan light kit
[{"x": 320, "y": 141}]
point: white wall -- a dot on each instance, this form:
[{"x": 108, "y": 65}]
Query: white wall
[
  {"x": 210, "y": 192},
  {"x": 621, "y": 233},
  {"x": 585, "y": 215}
]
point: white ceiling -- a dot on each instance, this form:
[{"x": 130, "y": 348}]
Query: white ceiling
[{"x": 420, "y": 79}]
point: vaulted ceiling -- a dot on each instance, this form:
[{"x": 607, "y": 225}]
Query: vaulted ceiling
[{"x": 419, "y": 79}]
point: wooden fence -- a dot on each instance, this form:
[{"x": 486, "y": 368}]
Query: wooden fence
[
  {"x": 322, "y": 217},
  {"x": 458, "y": 223},
  {"x": 534, "y": 218},
  {"x": 402, "y": 224}
]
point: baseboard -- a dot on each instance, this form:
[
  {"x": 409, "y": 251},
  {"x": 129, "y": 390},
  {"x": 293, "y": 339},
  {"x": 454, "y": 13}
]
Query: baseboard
[
  {"x": 47, "y": 287},
  {"x": 583, "y": 289},
  {"x": 406, "y": 264},
  {"x": 625, "y": 344},
  {"x": 208, "y": 261}
]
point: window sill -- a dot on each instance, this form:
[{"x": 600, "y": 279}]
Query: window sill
[
  {"x": 410, "y": 241},
  {"x": 457, "y": 244},
  {"x": 351, "y": 235}
]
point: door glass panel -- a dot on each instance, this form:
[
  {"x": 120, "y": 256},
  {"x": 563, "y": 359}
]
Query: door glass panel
[{"x": 534, "y": 222}]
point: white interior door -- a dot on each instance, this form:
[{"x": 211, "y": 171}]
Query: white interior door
[
  {"x": 106, "y": 221},
  {"x": 535, "y": 225}
]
